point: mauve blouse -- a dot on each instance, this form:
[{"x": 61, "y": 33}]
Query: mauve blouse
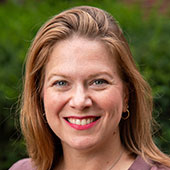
[{"x": 138, "y": 164}]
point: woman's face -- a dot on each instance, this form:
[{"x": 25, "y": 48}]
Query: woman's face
[{"x": 83, "y": 94}]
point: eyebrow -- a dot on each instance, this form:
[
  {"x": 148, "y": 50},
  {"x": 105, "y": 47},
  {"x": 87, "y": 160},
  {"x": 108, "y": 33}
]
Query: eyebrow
[
  {"x": 89, "y": 76},
  {"x": 99, "y": 74},
  {"x": 54, "y": 75}
]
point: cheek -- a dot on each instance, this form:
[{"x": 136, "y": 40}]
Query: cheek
[
  {"x": 112, "y": 104},
  {"x": 112, "y": 101},
  {"x": 53, "y": 103}
]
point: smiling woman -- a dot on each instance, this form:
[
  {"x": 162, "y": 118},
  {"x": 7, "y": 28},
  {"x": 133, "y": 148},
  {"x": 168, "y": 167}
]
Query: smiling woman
[
  {"x": 90, "y": 94},
  {"x": 85, "y": 105}
]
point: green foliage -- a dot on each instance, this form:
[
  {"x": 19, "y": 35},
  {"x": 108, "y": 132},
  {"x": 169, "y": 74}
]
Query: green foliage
[{"x": 20, "y": 20}]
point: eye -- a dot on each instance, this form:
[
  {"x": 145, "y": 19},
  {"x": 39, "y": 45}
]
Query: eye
[
  {"x": 61, "y": 83},
  {"x": 100, "y": 82}
]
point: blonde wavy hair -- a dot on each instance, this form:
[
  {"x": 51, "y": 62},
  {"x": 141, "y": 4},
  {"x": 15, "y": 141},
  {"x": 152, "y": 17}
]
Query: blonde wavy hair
[{"x": 89, "y": 22}]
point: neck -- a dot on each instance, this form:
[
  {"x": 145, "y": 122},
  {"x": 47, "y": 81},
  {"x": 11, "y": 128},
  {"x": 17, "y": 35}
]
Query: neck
[{"x": 96, "y": 157}]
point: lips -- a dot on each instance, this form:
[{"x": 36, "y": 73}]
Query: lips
[{"x": 82, "y": 123}]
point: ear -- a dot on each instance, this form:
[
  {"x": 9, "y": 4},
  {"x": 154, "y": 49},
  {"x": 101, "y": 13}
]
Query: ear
[{"x": 125, "y": 97}]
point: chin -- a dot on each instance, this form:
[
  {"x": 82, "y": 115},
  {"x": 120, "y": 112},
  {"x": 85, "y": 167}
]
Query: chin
[{"x": 82, "y": 143}]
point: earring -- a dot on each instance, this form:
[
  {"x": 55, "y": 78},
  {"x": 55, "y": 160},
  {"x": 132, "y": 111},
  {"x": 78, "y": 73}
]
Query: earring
[{"x": 126, "y": 115}]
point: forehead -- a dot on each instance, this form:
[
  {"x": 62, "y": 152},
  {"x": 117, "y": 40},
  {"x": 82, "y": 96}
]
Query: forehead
[
  {"x": 81, "y": 48},
  {"x": 80, "y": 58}
]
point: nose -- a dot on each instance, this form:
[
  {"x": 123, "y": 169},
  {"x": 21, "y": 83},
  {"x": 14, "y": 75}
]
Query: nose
[{"x": 80, "y": 99}]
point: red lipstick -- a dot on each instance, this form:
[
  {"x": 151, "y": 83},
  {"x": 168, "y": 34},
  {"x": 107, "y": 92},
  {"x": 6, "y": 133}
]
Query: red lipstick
[{"x": 81, "y": 123}]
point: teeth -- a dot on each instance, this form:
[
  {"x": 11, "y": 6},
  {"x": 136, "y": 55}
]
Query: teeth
[
  {"x": 81, "y": 121},
  {"x": 88, "y": 121},
  {"x": 77, "y": 122}
]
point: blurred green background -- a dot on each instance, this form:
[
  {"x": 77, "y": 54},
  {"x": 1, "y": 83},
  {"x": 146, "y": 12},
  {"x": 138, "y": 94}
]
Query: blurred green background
[{"x": 146, "y": 26}]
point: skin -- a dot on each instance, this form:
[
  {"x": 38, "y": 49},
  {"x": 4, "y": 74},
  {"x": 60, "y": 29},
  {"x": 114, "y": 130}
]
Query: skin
[{"x": 82, "y": 81}]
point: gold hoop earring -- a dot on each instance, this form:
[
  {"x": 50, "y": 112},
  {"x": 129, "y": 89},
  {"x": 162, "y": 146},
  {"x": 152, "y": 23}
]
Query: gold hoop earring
[{"x": 126, "y": 115}]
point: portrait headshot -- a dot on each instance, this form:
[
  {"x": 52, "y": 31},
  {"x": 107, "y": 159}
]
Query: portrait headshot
[{"x": 85, "y": 103}]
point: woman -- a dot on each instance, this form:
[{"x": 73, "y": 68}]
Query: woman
[{"x": 85, "y": 105}]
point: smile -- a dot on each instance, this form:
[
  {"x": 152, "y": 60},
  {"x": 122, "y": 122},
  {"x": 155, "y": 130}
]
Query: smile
[{"x": 82, "y": 123}]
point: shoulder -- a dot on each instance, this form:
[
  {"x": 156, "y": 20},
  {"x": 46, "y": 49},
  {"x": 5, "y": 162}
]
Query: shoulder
[
  {"x": 141, "y": 164},
  {"x": 159, "y": 167},
  {"x": 25, "y": 164}
]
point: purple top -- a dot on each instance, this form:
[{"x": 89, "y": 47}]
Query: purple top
[{"x": 138, "y": 164}]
